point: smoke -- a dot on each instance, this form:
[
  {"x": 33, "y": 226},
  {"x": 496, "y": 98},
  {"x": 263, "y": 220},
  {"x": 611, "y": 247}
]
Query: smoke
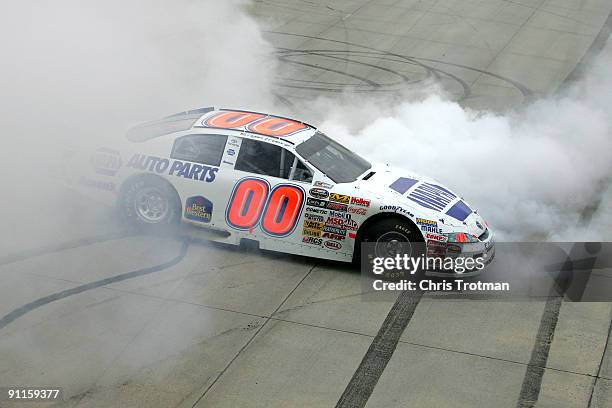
[
  {"x": 530, "y": 172},
  {"x": 80, "y": 73}
]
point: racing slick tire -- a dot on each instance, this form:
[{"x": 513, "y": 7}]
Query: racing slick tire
[
  {"x": 150, "y": 205},
  {"x": 390, "y": 236}
]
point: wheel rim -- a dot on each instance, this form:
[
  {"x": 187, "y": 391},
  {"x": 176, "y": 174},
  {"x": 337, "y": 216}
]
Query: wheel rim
[
  {"x": 392, "y": 243},
  {"x": 151, "y": 205}
]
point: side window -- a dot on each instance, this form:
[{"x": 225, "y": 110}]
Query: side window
[
  {"x": 270, "y": 160},
  {"x": 205, "y": 149},
  {"x": 302, "y": 173}
]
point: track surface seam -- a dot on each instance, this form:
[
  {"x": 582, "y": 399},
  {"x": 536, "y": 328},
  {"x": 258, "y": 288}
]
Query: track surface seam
[{"x": 268, "y": 319}]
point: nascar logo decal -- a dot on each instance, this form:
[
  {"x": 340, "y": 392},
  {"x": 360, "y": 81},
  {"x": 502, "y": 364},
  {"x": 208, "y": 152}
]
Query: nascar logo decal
[{"x": 319, "y": 193}]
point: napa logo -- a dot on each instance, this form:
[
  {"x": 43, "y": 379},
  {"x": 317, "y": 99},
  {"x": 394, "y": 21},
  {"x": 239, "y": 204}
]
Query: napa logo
[{"x": 198, "y": 209}]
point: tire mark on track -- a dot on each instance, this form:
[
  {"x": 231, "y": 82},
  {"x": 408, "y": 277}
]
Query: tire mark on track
[
  {"x": 532, "y": 382},
  {"x": 53, "y": 248},
  {"x": 361, "y": 385},
  {"x": 417, "y": 61},
  {"x": 38, "y": 303}
]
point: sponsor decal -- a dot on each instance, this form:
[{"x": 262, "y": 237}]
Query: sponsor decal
[
  {"x": 436, "y": 237},
  {"x": 199, "y": 209},
  {"x": 335, "y": 206},
  {"x": 315, "y": 202},
  {"x": 338, "y": 214},
  {"x": 397, "y": 209},
  {"x": 331, "y": 235},
  {"x": 316, "y": 210},
  {"x": 101, "y": 185},
  {"x": 314, "y": 217},
  {"x": 351, "y": 225},
  {"x": 175, "y": 168},
  {"x": 312, "y": 240},
  {"x": 335, "y": 221},
  {"x": 313, "y": 224},
  {"x": 231, "y": 152},
  {"x": 106, "y": 161},
  {"x": 339, "y": 198},
  {"x": 233, "y": 142},
  {"x": 428, "y": 225},
  {"x": 319, "y": 193},
  {"x": 352, "y": 235},
  {"x": 311, "y": 232},
  {"x": 333, "y": 245},
  {"x": 362, "y": 202},
  {"x": 334, "y": 230},
  {"x": 322, "y": 184},
  {"x": 357, "y": 210},
  {"x": 226, "y": 162}
]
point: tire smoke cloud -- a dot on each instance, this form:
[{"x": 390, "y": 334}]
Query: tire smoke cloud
[
  {"x": 78, "y": 74},
  {"x": 531, "y": 172}
]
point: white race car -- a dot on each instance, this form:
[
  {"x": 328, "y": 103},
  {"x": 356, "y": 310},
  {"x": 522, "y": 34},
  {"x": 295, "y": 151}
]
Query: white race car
[{"x": 282, "y": 183}]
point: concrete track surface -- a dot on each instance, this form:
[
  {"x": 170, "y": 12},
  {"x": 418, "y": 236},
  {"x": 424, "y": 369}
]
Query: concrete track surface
[{"x": 123, "y": 320}]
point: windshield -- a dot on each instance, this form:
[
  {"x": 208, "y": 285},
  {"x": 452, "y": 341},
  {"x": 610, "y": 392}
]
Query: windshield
[{"x": 334, "y": 160}]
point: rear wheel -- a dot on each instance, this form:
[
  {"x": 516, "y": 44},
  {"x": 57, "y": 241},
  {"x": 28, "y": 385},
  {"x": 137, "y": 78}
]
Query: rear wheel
[{"x": 150, "y": 204}]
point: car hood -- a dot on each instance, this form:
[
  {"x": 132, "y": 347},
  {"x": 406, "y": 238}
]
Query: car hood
[{"x": 424, "y": 197}]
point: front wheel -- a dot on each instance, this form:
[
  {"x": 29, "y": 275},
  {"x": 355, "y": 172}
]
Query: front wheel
[
  {"x": 390, "y": 237},
  {"x": 150, "y": 204}
]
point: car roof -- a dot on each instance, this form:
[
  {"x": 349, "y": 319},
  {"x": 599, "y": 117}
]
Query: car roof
[{"x": 248, "y": 123}]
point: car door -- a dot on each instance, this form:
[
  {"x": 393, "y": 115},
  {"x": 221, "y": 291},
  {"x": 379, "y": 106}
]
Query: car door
[
  {"x": 268, "y": 192},
  {"x": 199, "y": 175}
]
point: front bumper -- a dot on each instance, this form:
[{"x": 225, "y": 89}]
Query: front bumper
[{"x": 484, "y": 249}]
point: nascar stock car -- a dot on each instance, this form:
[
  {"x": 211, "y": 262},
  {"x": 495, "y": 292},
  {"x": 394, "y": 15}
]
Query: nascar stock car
[{"x": 282, "y": 183}]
